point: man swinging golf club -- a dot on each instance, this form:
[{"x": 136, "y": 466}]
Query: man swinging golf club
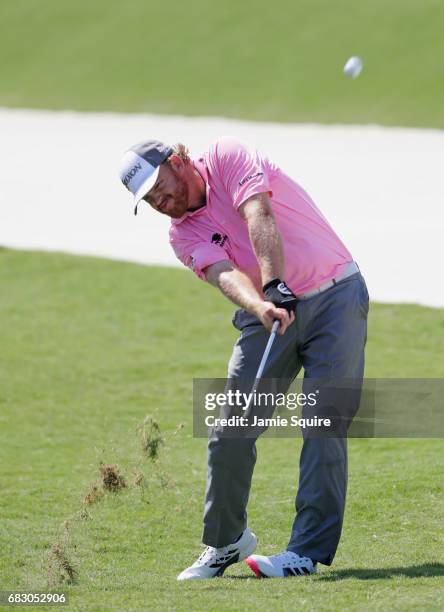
[{"x": 240, "y": 223}]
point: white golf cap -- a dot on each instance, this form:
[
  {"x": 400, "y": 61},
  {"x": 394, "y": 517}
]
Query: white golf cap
[{"x": 140, "y": 167}]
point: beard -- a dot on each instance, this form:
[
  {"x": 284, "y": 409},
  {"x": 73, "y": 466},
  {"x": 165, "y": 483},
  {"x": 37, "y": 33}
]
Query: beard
[{"x": 181, "y": 198}]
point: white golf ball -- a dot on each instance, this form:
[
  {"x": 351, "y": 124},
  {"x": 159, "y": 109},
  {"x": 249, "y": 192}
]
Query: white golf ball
[{"x": 353, "y": 67}]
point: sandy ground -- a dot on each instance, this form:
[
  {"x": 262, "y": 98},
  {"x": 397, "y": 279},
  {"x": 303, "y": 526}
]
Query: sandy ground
[{"x": 381, "y": 189}]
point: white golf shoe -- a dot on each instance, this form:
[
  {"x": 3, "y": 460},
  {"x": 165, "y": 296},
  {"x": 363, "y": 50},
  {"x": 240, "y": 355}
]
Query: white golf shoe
[
  {"x": 214, "y": 561},
  {"x": 283, "y": 565}
]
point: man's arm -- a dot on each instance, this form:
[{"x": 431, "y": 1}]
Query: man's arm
[
  {"x": 264, "y": 235},
  {"x": 267, "y": 245},
  {"x": 238, "y": 288}
]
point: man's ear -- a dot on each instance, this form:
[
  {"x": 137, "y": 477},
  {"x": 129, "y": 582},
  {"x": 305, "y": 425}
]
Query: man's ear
[{"x": 176, "y": 163}]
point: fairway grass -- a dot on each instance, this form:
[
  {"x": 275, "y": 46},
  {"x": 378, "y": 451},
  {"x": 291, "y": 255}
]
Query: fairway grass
[
  {"x": 92, "y": 347},
  {"x": 275, "y": 61}
]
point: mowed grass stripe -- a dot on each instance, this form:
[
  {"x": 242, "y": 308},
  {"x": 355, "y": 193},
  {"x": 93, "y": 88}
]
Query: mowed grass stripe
[{"x": 268, "y": 61}]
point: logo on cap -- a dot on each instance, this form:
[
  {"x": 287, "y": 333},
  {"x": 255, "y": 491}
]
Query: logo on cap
[
  {"x": 139, "y": 167},
  {"x": 132, "y": 173}
]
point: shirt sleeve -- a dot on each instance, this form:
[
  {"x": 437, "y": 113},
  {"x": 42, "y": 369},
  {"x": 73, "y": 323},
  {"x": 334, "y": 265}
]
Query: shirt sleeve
[
  {"x": 198, "y": 255},
  {"x": 242, "y": 170}
]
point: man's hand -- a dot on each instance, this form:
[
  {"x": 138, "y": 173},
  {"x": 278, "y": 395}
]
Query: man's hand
[
  {"x": 276, "y": 291},
  {"x": 267, "y": 313}
]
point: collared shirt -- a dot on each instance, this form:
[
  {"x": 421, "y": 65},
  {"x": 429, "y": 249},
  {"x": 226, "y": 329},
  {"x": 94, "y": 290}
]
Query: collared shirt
[{"x": 232, "y": 172}]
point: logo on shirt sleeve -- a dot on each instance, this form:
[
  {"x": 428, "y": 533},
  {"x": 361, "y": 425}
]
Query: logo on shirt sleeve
[
  {"x": 249, "y": 177},
  {"x": 219, "y": 239}
]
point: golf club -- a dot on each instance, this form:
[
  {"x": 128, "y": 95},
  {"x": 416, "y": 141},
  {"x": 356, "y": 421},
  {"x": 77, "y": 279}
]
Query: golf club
[{"x": 263, "y": 362}]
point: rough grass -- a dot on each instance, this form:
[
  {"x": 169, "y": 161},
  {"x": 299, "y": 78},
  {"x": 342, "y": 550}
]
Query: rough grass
[
  {"x": 279, "y": 61},
  {"x": 93, "y": 354}
]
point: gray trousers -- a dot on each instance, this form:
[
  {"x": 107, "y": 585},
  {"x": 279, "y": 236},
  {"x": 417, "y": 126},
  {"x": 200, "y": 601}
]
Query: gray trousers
[{"x": 327, "y": 339}]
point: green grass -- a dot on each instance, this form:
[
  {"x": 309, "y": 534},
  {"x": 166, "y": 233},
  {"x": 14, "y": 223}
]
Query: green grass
[
  {"x": 279, "y": 61},
  {"x": 89, "y": 348}
]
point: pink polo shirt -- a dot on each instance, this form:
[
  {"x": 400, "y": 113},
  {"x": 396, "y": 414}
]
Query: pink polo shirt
[{"x": 233, "y": 173}]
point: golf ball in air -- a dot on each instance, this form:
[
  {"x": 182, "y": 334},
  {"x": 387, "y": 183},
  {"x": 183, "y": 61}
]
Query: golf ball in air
[{"x": 353, "y": 67}]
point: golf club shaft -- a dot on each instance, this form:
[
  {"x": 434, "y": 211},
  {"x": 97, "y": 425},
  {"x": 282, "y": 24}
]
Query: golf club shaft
[
  {"x": 263, "y": 362},
  {"x": 267, "y": 350}
]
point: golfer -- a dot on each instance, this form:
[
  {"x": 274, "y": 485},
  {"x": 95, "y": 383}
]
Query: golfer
[{"x": 243, "y": 225}]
